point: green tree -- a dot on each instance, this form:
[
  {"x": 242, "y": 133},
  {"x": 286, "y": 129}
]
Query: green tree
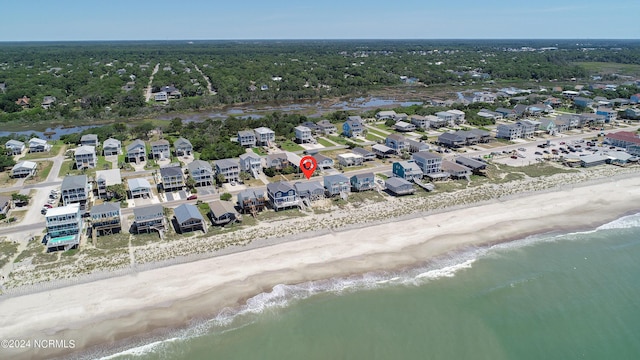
[
  {"x": 118, "y": 191},
  {"x": 20, "y": 198},
  {"x": 225, "y": 197},
  {"x": 6, "y": 161}
]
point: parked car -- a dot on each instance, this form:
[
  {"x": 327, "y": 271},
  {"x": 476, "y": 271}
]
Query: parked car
[
  {"x": 522, "y": 149},
  {"x": 43, "y": 211},
  {"x": 538, "y": 153},
  {"x": 192, "y": 197},
  {"x": 48, "y": 206},
  {"x": 514, "y": 157},
  {"x": 562, "y": 143}
]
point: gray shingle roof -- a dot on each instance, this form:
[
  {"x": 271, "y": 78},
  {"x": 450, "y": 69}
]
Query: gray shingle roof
[
  {"x": 146, "y": 211},
  {"x": 282, "y": 186},
  {"x": 336, "y": 178},
  {"x": 219, "y": 208},
  {"x": 105, "y": 208},
  {"x": 74, "y": 182},
  {"x": 186, "y": 212},
  {"x": 171, "y": 171},
  {"x": 134, "y": 144}
]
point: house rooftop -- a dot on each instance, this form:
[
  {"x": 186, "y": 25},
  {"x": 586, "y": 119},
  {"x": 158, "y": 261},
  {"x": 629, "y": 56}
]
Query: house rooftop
[
  {"x": 368, "y": 175},
  {"x": 181, "y": 142},
  {"x": 226, "y": 163},
  {"x": 26, "y": 164},
  {"x": 63, "y": 210},
  {"x": 282, "y": 186},
  {"x": 85, "y": 149},
  {"x": 199, "y": 164},
  {"x": 250, "y": 155},
  {"x": 110, "y": 177},
  {"x": 219, "y": 208},
  {"x": 161, "y": 142},
  {"x": 627, "y": 136},
  {"x": 396, "y": 181},
  {"x": 138, "y": 183},
  {"x": 136, "y": 142},
  {"x": 186, "y": 212},
  {"x": 148, "y": 211},
  {"x": 89, "y": 137},
  {"x": 74, "y": 182},
  {"x": 171, "y": 171},
  {"x": 336, "y": 178},
  {"x": 361, "y": 151},
  {"x": 426, "y": 155},
  {"x": 263, "y": 130},
  {"x": 308, "y": 186},
  {"x": 106, "y": 207}
]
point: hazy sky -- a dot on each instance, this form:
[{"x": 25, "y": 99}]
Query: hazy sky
[{"x": 324, "y": 19}]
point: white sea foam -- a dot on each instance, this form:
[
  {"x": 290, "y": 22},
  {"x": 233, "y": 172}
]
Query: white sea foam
[
  {"x": 626, "y": 222},
  {"x": 140, "y": 350}
]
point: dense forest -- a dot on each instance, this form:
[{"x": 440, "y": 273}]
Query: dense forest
[{"x": 108, "y": 80}]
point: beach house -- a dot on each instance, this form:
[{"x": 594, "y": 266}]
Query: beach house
[
  {"x": 324, "y": 162},
  {"x": 337, "y": 184},
  {"x": 363, "y": 182},
  {"x": 38, "y": 145},
  {"x": 228, "y": 168},
  {"x": 609, "y": 114},
  {"x": 64, "y": 227},
  {"x": 447, "y": 117},
  {"x": 264, "y": 136},
  {"x": 326, "y": 127},
  {"x": 182, "y": 147},
  {"x": 353, "y": 127},
  {"x": 111, "y": 147},
  {"x": 222, "y": 212},
  {"x": 477, "y": 167},
  {"x": 160, "y": 149},
  {"x": 407, "y": 170},
  {"x": 277, "y": 161},
  {"x": 187, "y": 217},
  {"x": 451, "y": 140},
  {"x": 455, "y": 170},
  {"x": 303, "y": 135},
  {"x": 396, "y": 142},
  {"x": 251, "y": 201},
  {"x": 138, "y": 188},
  {"x": 251, "y": 163},
  {"x": 385, "y": 115},
  {"x": 509, "y": 131},
  {"x": 416, "y": 145},
  {"x": 404, "y": 126},
  {"x": 14, "y": 147},
  {"x": 399, "y": 186},
  {"x": 429, "y": 163},
  {"x": 420, "y": 121},
  {"x": 312, "y": 190},
  {"x": 366, "y": 154},
  {"x": 149, "y": 218},
  {"x": 89, "y": 140},
  {"x": 201, "y": 172},
  {"x": 350, "y": 159},
  {"x": 172, "y": 178},
  {"x": 24, "y": 169},
  {"x": 85, "y": 157},
  {"x": 282, "y": 195},
  {"x": 106, "y": 178},
  {"x": 75, "y": 190},
  {"x": 136, "y": 151},
  {"x": 382, "y": 151},
  {"x": 105, "y": 218},
  {"x": 247, "y": 138}
]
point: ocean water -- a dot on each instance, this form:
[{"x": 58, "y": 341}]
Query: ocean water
[{"x": 556, "y": 296}]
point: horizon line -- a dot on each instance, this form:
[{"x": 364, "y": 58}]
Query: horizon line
[{"x": 326, "y": 39}]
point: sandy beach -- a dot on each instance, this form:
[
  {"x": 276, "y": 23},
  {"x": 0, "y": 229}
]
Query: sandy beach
[{"x": 116, "y": 308}]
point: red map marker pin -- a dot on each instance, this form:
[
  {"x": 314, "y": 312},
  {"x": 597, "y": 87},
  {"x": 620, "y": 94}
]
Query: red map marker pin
[{"x": 308, "y": 165}]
